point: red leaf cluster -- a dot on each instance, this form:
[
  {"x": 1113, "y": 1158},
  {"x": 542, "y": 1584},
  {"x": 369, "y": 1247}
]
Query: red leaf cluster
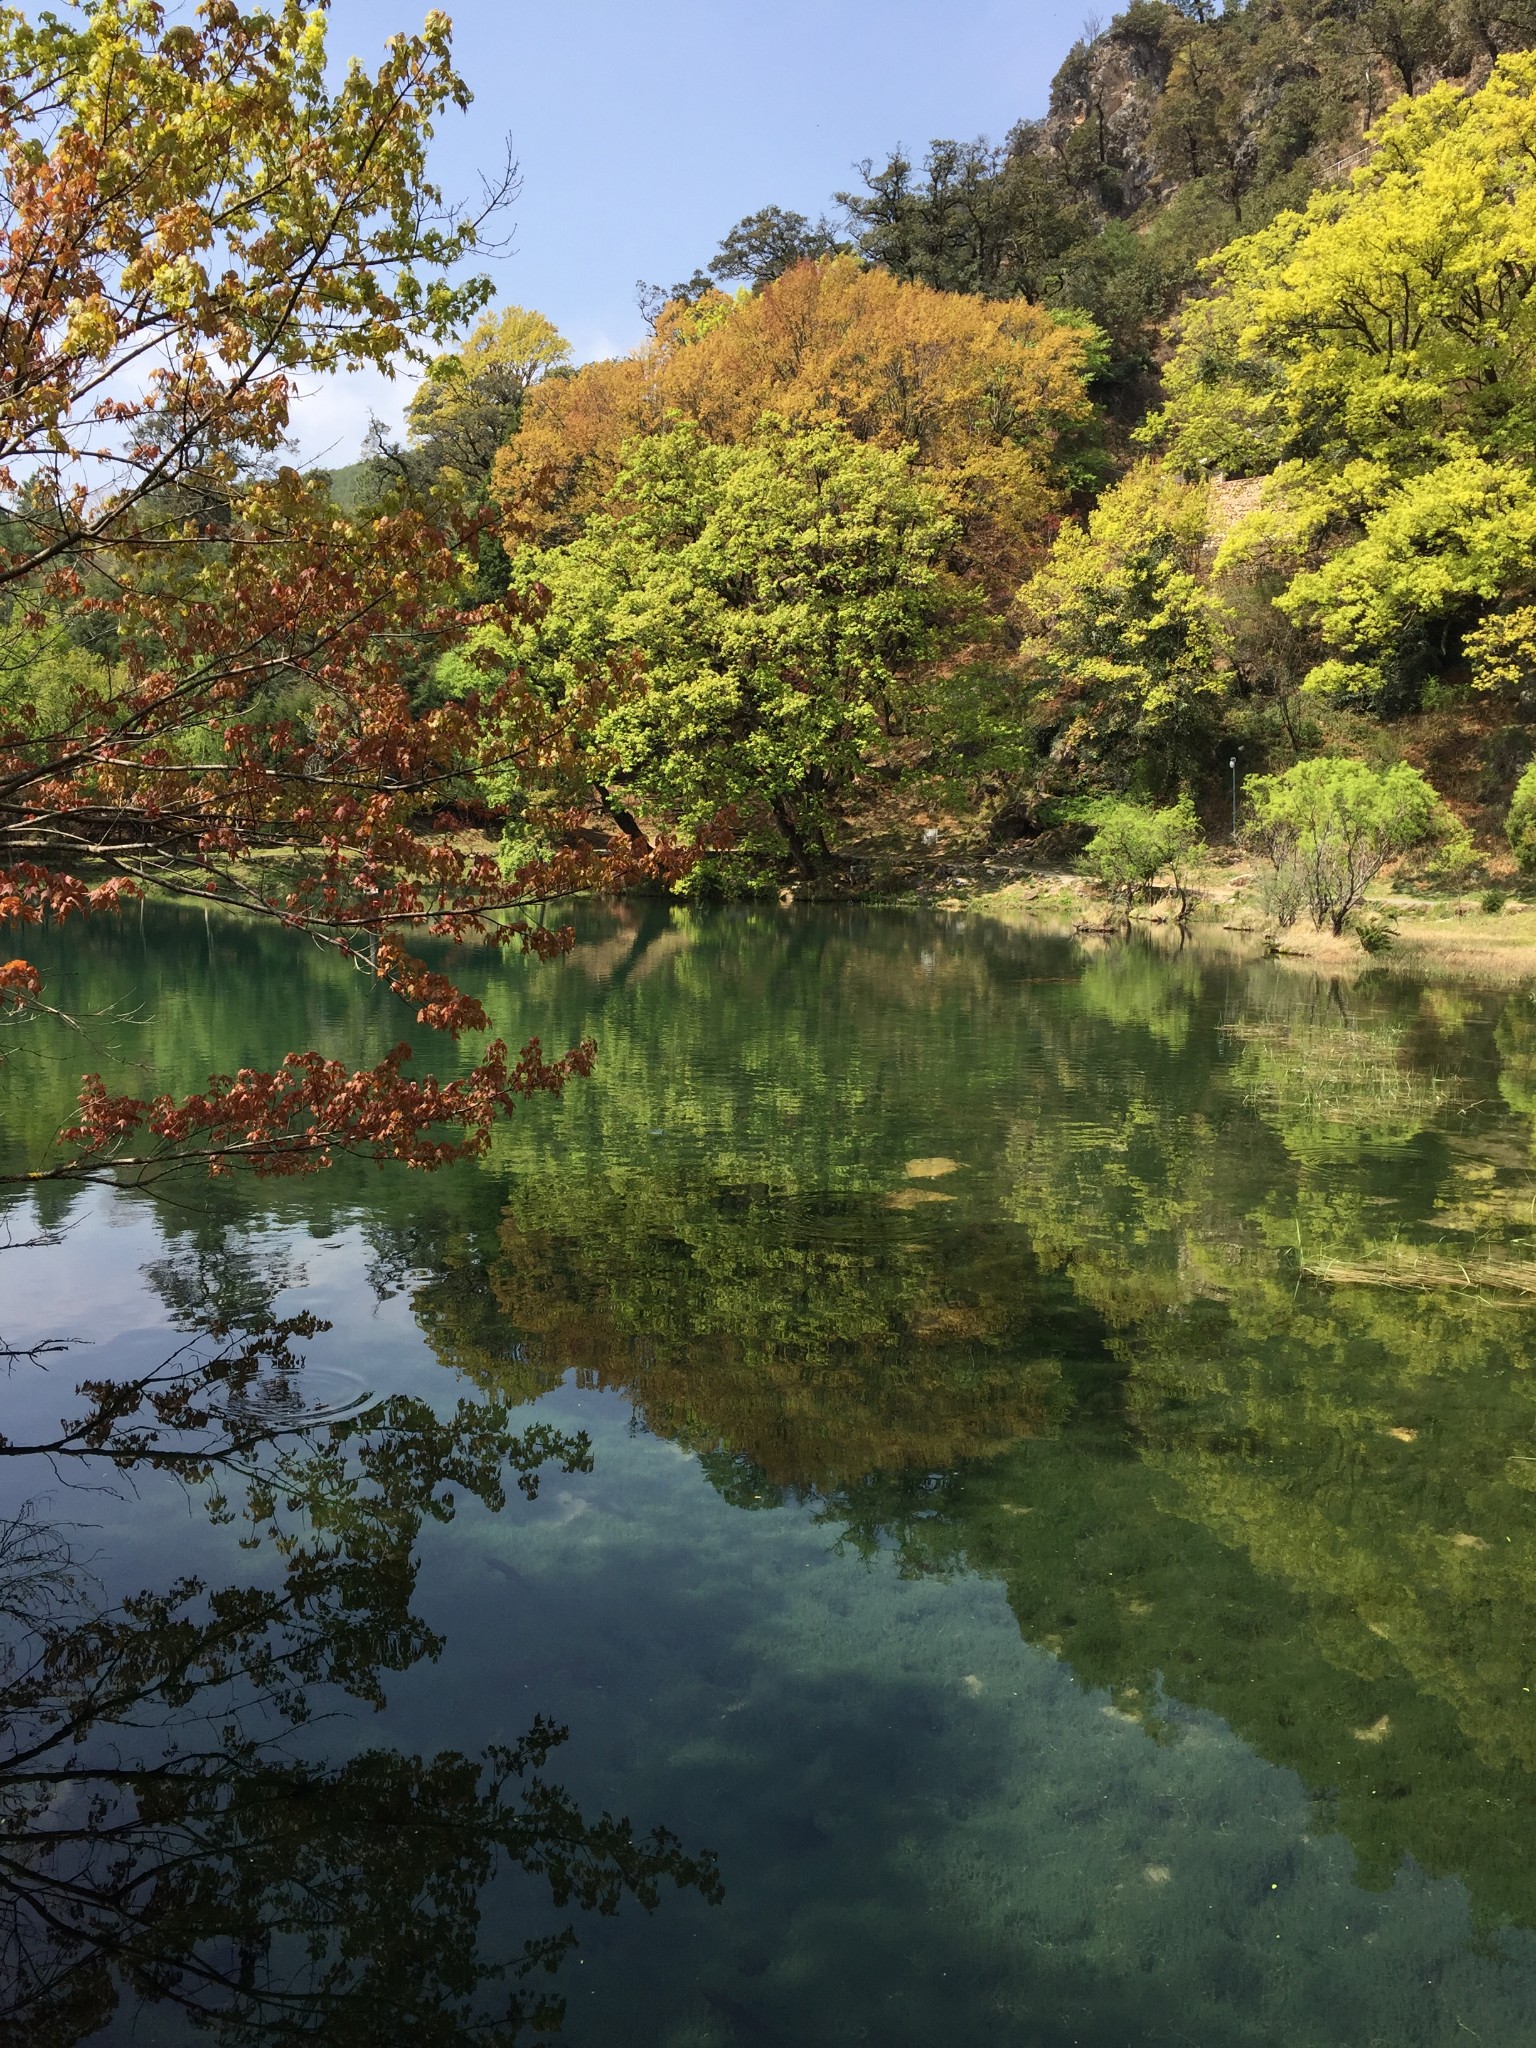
[
  {"x": 249, "y": 733},
  {"x": 298, "y": 1118}
]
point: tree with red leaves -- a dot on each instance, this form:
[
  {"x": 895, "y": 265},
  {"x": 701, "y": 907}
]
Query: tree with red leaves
[{"x": 191, "y": 217}]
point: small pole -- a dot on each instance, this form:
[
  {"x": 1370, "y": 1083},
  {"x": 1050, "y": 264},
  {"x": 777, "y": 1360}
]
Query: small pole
[{"x": 1232, "y": 764}]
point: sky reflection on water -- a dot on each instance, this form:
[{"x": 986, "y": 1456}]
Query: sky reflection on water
[{"x": 1035, "y": 1475}]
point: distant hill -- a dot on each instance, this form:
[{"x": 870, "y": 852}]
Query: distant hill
[{"x": 350, "y": 484}]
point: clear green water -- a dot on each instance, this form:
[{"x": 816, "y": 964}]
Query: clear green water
[{"x": 1092, "y": 1607}]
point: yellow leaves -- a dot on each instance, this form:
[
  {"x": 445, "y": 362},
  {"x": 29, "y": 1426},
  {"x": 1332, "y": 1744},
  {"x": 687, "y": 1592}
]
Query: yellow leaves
[
  {"x": 518, "y": 342},
  {"x": 468, "y": 405},
  {"x": 1373, "y": 353},
  {"x": 1352, "y": 324},
  {"x": 1502, "y": 651},
  {"x": 90, "y": 328},
  {"x": 1120, "y": 617},
  {"x": 980, "y": 390}
]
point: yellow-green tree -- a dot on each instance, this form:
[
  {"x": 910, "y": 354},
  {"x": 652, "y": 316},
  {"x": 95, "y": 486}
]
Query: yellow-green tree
[
  {"x": 1372, "y": 355},
  {"x": 471, "y": 400},
  {"x": 1121, "y": 632},
  {"x": 988, "y": 395},
  {"x": 1331, "y": 826}
]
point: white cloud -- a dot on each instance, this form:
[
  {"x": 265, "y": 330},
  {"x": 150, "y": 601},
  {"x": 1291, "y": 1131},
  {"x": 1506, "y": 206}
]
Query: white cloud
[
  {"x": 591, "y": 343},
  {"x": 329, "y": 417}
]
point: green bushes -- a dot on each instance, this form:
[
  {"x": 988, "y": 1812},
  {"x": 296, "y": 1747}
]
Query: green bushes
[
  {"x": 1133, "y": 844},
  {"x": 1520, "y": 826},
  {"x": 1328, "y": 828}
]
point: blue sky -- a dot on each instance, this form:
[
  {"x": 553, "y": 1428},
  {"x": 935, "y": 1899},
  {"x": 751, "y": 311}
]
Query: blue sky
[{"x": 644, "y": 133}]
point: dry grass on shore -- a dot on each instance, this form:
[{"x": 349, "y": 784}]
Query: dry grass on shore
[{"x": 1442, "y": 936}]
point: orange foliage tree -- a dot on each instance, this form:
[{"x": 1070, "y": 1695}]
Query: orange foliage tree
[
  {"x": 191, "y": 216},
  {"x": 986, "y": 392}
]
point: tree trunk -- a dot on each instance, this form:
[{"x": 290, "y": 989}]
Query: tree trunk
[
  {"x": 784, "y": 819},
  {"x": 626, "y": 821}
]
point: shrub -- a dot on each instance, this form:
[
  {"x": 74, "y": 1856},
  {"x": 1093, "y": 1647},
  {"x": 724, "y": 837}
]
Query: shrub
[
  {"x": 1133, "y": 844},
  {"x": 1281, "y": 891},
  {"x": 1331, "y": 826},
  {"x": 1520, "y": 825},
  {"x": 1493, "y": 901}
]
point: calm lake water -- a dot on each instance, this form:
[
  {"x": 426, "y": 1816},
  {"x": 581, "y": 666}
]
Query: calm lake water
[{"x": 1036, "y": 1496}]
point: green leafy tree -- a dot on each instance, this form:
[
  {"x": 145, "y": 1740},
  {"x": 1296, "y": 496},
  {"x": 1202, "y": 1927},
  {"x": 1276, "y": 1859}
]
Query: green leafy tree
[
  {"x": 1133, "y": 844},
  {"x": 1121, "y": 635},
  {"x": 981, "y": 218},
  {"x": 1198, "y": 129},
  {"x": 45, "y": 676},
  {"x": 1442, "y": 548},
  {"x": 1411, "y": 36},
  {"x": 469, "y": 404},
  {"x": 1494, "y": 27},
  {"x": 757, "y": 611},
  {"x": 769, "y": 242},
  {"x": 1333, "y": 825}
]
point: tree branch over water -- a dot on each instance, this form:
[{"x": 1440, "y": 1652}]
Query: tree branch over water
[
  {"x": 163, "y": 1834},
  {"x": 206, "y": 668}
]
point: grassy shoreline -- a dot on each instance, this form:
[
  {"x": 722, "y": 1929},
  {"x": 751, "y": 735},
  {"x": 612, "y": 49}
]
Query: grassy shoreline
[{"x": 1445, "y": 934}]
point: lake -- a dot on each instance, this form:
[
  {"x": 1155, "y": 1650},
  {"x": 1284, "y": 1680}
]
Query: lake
[{"x": 1032, "y": 1535}]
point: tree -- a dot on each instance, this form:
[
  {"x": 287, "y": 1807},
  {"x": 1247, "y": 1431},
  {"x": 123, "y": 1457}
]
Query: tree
[
  {"x": 1198, "y": 129},
  {"x": 1495, "y": 27},
  {"x": 1412, "y": 36},
  {"x": 1132, "y": 844},
  {"x": 1335, "y": 824},
  {"x": 990, "y": 396},
  {"x": 471, "y": 400},
  {"x": 1372, "y": 355},
  {"x": 197, "y": 218},
  {"x": 769, "y": 242},
  {"x": 984, "y": 219},
  {"x": 1121, "y": 634},
  {"x": 1385, "y": 314},
  {"x": 1443, "y": 548},
  {"x": 759, "y": 606}
]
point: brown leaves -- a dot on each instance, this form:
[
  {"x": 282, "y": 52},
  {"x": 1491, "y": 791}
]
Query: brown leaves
[
  {"x": 983, "y": 389},
  {"x": 296, "y": 1119},
  {"x": 20, "y": 982},
  {"x": 192, "y": 216}
]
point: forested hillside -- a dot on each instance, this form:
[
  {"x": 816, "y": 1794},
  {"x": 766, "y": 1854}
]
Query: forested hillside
[{"x": 1190, "y": 424}]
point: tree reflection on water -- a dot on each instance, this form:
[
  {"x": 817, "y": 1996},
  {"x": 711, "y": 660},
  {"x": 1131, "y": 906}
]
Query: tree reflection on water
[{"x": 163, "y": 1842}]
